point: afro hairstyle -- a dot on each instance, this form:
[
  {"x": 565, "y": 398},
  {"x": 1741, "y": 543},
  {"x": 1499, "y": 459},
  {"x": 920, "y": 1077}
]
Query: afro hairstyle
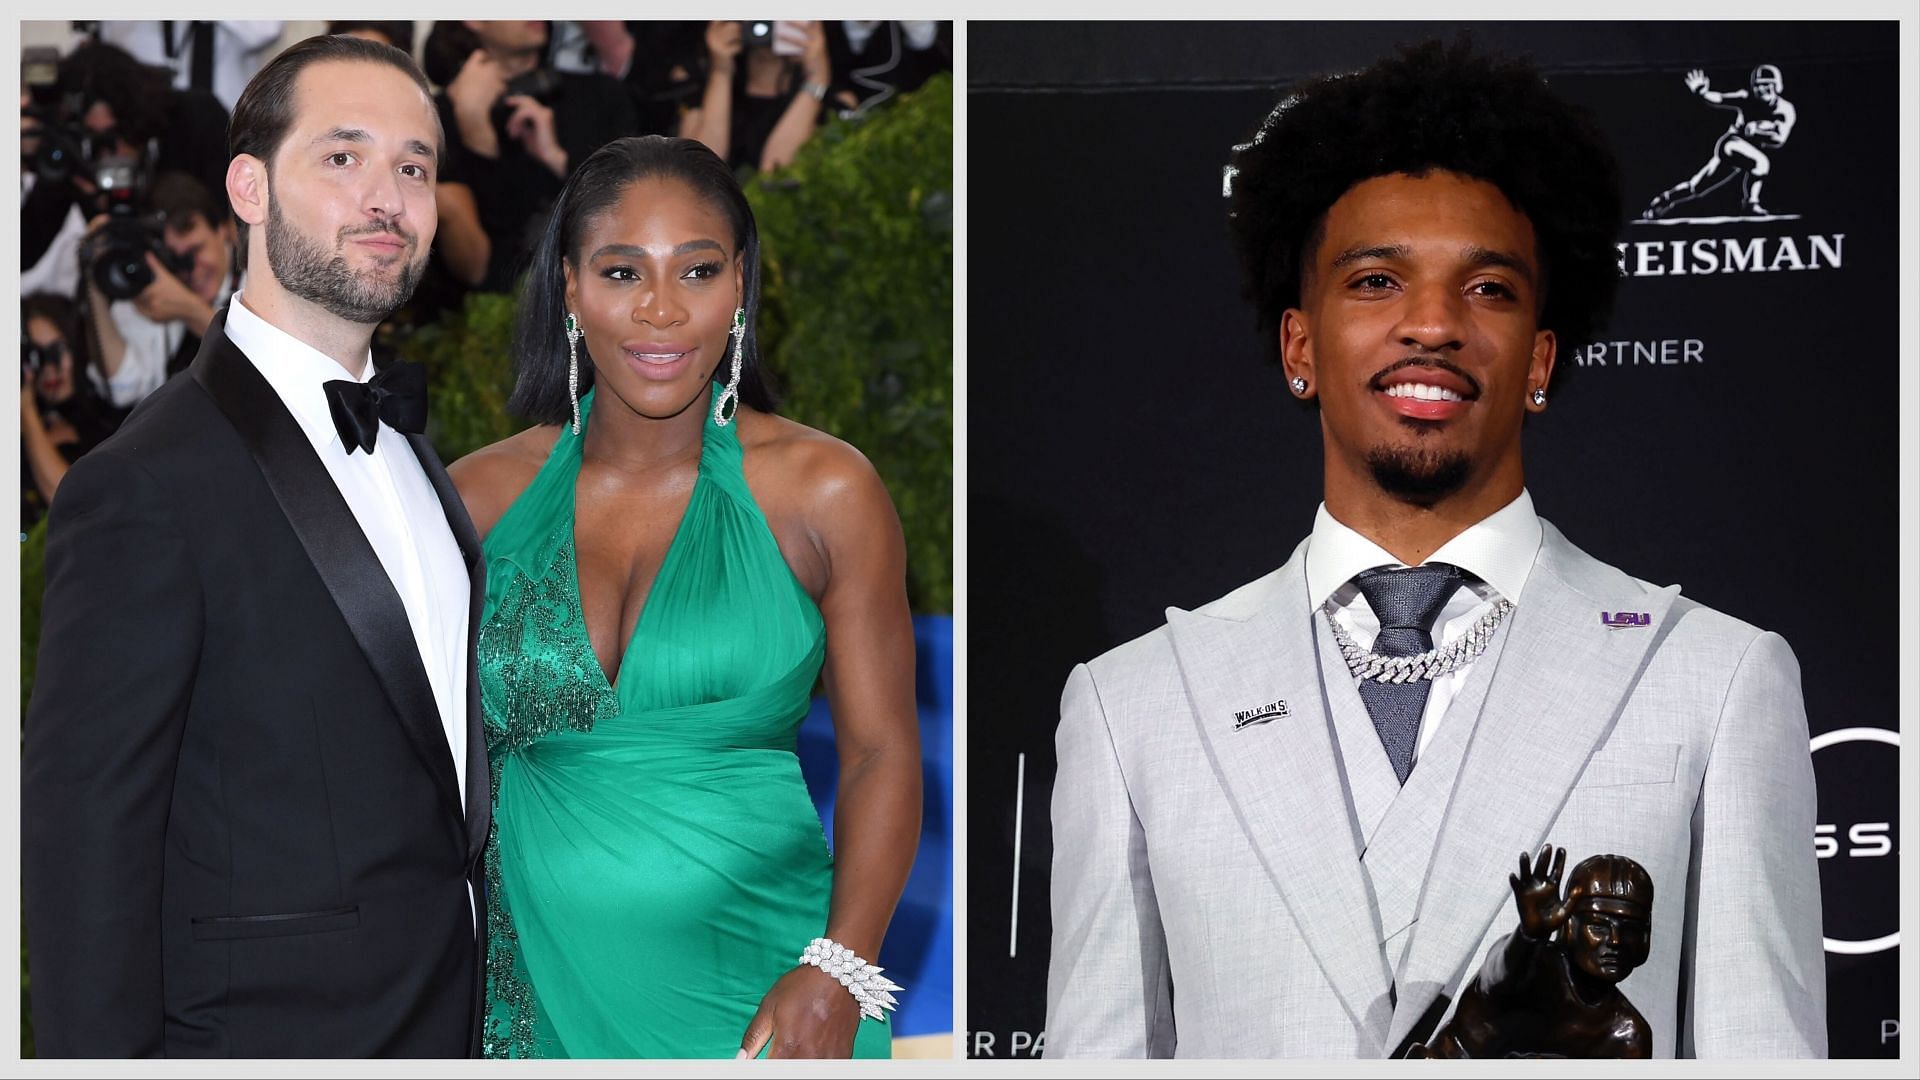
[{"x": 1432, "y": 106}]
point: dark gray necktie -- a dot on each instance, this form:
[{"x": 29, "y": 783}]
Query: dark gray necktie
[{"x": 1406, "y": 601}]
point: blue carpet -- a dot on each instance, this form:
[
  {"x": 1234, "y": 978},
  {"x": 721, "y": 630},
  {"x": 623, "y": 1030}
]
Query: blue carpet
[{"x": 918, "y": 953}]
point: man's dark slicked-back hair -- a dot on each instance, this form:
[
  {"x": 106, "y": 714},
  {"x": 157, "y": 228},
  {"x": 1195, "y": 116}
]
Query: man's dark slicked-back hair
[
  {"x": 1432, "y": 106},
  {"x": 264, "y": 114}
]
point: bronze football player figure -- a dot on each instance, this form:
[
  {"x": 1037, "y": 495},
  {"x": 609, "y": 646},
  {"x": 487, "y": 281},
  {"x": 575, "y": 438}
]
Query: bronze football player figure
[{"x": 1538, "y": 995}]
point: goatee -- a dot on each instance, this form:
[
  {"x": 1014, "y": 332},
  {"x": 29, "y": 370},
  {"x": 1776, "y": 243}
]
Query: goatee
[
  {"x": 309, "y": 271},
  {"x": 1419, "y": 476}
]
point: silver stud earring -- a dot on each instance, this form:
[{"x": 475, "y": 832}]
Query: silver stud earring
[
  {"x": 1299, "y": 385},
  {"x": 1539, "y": 396},
  {"x": 573, "y": 368},
  {"x": 721, "y": 416}
]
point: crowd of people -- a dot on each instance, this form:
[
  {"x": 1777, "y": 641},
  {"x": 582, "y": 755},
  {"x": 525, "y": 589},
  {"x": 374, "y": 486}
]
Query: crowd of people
[{"x": 128, "y": 248}]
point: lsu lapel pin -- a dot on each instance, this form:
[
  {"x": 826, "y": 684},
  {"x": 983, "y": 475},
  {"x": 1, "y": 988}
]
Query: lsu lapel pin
[
  {"x": 1273, "y": 710},
  {"x": 1620, "y": 619}
]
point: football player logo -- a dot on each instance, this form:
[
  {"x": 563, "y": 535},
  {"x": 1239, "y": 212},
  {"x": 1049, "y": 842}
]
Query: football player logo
[{"x": 1762, "y": 120}]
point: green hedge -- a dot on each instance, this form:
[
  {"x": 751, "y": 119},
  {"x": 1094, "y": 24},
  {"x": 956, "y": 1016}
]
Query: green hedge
[
  {"x": 857, "y": 256},
  {"x": 856, "y": 327},
  {"x": 469, "y": 359}
]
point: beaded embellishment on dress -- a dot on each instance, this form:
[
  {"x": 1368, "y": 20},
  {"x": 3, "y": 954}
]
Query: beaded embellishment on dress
[{"x": 543, "y": 690}]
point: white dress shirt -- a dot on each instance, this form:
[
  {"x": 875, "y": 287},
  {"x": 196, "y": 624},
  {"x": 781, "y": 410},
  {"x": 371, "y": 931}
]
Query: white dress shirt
[
  {"x": 149, "y": 347},
  {"x": 1499, "y": 550},
  {"x": 239, "y": 50},
  {"x": 58, "y": 270},
  {"x": 394, "y": 502}
]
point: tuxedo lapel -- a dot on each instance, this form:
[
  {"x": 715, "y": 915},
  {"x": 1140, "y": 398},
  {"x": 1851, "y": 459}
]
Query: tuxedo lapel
[
  {"x": 1559, "y": 683},
  {"x": 1283, "y": 775},
  {"x": 334, "y": 543},
  {"x": 479, "y": 797}
]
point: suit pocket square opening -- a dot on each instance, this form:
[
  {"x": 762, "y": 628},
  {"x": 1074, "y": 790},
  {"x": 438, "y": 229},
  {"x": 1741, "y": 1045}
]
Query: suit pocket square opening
[{"x": 230, "y": 927}]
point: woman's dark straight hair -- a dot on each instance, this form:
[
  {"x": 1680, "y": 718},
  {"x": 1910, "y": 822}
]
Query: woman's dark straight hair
[{"x": 540, "y": 338}]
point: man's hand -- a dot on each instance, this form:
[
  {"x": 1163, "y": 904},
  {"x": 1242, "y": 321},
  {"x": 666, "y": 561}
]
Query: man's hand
[
  {"x": 169, "y": 300},
  {"x": 1536, "y": 892},
  {"x": 532, "y": 124},
  {"x": 1697, "y": 81}
]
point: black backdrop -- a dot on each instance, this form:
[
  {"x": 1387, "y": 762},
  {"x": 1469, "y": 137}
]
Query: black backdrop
[{"x": 1734, "y": 430}]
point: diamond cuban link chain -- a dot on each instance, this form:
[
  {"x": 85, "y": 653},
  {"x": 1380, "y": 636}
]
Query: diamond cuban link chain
[{"x": 1427, "y": 665}]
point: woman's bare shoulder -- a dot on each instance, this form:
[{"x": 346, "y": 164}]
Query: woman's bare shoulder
[
  {"x": 817, "y": 471},
  {"x": 492, "y": 477}
]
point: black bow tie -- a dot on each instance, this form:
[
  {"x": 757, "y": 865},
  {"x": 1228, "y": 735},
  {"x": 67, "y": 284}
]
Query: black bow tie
[{"x": 397, "y": 395}]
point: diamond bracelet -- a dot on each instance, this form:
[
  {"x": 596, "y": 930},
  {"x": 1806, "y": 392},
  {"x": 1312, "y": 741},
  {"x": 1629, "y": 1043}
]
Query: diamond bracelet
[{"x": 870, "y": 988}]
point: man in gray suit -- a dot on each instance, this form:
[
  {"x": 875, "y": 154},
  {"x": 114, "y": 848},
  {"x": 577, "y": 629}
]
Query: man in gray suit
[{"x": 1284, "y": 821}]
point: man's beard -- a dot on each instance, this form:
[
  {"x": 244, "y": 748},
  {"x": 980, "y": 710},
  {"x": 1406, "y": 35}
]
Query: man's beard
[
  {"x": 307, "y": 270},
  {"x": 1419, "y": 476}
]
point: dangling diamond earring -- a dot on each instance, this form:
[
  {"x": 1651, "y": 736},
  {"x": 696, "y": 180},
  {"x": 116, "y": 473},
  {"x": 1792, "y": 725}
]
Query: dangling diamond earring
[
  {"x": 573, "y": 368},
  {"x": 732, "y": 392}
]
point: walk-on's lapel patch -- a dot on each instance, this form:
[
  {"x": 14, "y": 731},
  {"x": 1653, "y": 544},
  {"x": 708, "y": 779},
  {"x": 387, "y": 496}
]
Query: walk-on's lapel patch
[{"x": 1273, "y": 710}]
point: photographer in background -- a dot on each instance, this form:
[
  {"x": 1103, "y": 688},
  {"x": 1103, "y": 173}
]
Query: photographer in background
[
  {"x": 515, "y": 128},
  {"x": 52, "y": 190},
  {"x": 218, "y": 57},
  {"x": 62, "y": 415},
  {"x": 131, "y": 110},
  {"x": 766, "y": 81},
  {"x": 154, "y": 282}
]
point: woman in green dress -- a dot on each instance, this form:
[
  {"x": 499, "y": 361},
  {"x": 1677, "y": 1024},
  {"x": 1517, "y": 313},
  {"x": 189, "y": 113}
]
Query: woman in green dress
[{"x": 670, "y": 567}]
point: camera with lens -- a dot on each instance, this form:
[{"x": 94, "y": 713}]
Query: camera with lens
[
  {"x": 540, "y": 84},
  {"x": 116, "y": 254},
  {"x": 52, "y": 149},
  {"x": 53, "y": 144}
]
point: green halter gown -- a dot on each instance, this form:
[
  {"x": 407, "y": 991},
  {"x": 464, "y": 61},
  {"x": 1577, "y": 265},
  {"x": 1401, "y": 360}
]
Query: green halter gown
[{"x": 656, "y": 863}]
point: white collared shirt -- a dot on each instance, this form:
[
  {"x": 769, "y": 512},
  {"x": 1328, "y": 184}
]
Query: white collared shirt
[
  {"x": 394, "y": 502},
  {"x": 1499, "y": 550},
  {"x": 149, "y": 346}
]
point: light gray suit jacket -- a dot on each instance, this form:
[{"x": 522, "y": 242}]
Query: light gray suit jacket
[{"x": 1209, "y": 893}]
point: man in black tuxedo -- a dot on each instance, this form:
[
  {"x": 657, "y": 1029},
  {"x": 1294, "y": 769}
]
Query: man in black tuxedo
[{"x": 254, "y": 782}]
